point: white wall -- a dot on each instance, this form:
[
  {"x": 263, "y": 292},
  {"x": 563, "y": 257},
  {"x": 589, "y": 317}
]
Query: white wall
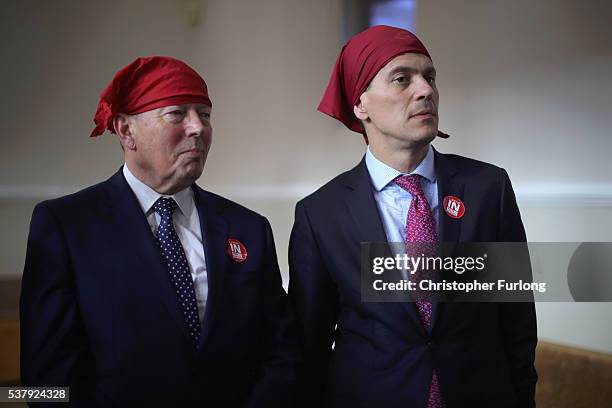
[
  {"x": 526, "y": 85},
  {"x": 523, "y": 84},
  {"x": 57, "y": 56}
]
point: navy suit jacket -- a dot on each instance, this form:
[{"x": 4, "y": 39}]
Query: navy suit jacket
[
  {"x": 99, "y": 313},
  {"x": 483, "y": 352}
]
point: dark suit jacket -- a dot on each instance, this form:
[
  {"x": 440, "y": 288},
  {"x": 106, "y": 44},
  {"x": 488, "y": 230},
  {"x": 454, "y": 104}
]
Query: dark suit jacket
[
  {"x": 99, "y": 313},
  {"x": 383, "y": 357}
]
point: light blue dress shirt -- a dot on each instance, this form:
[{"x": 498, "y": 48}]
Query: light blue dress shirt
[{"x": 393, "y": 201}]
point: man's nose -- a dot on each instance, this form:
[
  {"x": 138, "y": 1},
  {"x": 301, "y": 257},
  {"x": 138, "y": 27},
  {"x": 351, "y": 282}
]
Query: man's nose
[
  {"x": 195, "y": 123},
  {"x": 424, "y": 89}
]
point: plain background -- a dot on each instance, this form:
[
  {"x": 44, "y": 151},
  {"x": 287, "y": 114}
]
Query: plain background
[{"x": 525, "y": 85}]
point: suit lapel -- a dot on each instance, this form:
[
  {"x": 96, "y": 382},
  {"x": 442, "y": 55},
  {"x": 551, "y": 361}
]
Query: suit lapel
[
  {"x": 364, "y": 211},
  {"x": 449, "y": 184},
  {"x": 132, "y": 226},
  {"x": 362, "y": 206},
  {"x": 214, "y": 235}
]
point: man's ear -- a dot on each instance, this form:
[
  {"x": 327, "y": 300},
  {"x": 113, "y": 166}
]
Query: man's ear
[
  {"x": 124, "y": 127},
  {"x": 360, "y": 111}
]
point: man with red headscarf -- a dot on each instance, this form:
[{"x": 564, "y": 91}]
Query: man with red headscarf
[
  {"x": 146, "y": 290},
  {"x": 391, "y": 354}
]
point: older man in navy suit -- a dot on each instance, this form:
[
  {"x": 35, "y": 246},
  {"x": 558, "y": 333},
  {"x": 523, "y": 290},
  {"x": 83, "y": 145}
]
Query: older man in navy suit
[
  {"x": 421, "y": 354},
  {"x": 146, "y": 290}
]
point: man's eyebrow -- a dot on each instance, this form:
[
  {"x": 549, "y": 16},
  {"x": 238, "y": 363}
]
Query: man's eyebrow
[
  {"x": 169, "y": 108},
  {"x": 411, "y": 70}
]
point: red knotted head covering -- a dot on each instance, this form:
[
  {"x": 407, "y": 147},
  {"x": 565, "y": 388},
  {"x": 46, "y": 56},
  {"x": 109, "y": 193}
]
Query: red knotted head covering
[
  {"x": 149, "y": 83},
  {"x": 358, "y": 63}
]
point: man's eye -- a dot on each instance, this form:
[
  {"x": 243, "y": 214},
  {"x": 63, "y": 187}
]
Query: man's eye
[
  {"x": 175, "y": 116},
  {"x": 402, "y": 79},
  {"x": 205, "y": 115},
  {"x": 430, "y": 79}
]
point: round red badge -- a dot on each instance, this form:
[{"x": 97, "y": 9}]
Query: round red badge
[
  {"x": 454, "y": 207},
  {"x": 236, "y": 250}
]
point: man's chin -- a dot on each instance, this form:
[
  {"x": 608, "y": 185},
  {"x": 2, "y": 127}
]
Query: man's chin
[
  {"x": 194, "y": 172},
  {"x": 190, "y": 172},
  {"x": 423, "y": 137},
  {"x": 427, "y": 135}
]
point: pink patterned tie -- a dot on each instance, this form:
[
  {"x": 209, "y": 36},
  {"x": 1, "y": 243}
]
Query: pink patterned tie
[{"x": 421, "y": 227}]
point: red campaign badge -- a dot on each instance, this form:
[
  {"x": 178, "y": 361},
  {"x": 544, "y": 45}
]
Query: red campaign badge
[
  {"x": 454, "y": 207},
  {"x": 236, "y": 250}
]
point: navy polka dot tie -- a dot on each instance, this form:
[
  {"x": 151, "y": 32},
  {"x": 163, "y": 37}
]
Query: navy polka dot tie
[{"x": 178, "y": 268}]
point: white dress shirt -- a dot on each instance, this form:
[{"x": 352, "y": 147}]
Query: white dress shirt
[{"x": 187, "y": 225}]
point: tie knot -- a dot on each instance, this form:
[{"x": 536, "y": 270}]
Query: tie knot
[
  {"x": 165, "y": 206},
  {"x": 410, "y": 183}
]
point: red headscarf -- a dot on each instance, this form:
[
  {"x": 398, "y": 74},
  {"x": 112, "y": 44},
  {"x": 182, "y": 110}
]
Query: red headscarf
[
  {"x": 149, "y": 83},
  {"x": 358, "y": 63}
]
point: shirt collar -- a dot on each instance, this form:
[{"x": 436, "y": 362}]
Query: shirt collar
[
  {"x": 382, "y": 174},
  {"x": 147, "y": 196}
]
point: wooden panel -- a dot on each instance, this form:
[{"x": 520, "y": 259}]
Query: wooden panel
[
  {"x": 9, "y": 298},
  {"x": 9, "y": 351}
]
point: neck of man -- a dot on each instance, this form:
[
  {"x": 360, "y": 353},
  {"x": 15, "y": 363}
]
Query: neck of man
[
  {"x": 162, "y": 186},
  {"x": 403, "y": 159}
]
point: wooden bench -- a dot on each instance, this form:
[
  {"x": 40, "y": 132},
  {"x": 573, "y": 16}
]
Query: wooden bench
[{"x": 572, "y": 377}]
